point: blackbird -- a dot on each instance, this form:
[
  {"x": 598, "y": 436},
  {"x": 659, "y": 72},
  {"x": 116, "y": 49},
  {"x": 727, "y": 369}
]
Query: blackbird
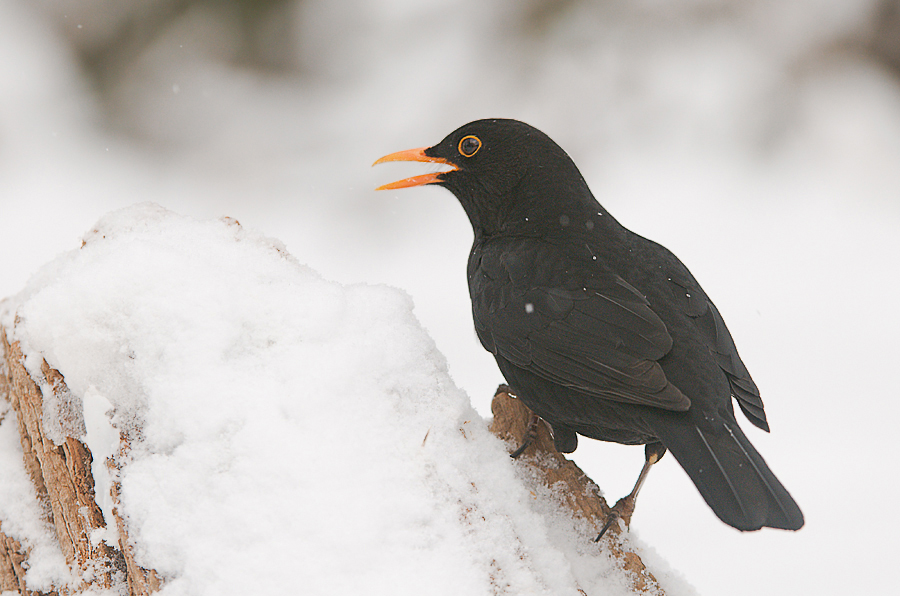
[{"x": 601, "y": 332}]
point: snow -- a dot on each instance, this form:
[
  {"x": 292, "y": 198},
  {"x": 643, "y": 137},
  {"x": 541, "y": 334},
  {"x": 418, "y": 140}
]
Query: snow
[
  {"x": 103, "y": 440},
  {"x": 285, "y": 430},
  {"x": 759, "y": 141}
]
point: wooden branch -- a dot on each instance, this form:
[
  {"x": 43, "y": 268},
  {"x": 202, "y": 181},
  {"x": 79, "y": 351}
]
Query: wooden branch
[
  {"x": 64, "y": 485},
  {"x": 579, "y": 493}
]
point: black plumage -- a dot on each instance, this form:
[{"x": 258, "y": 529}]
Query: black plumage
[{"x": 599, "y": 331}]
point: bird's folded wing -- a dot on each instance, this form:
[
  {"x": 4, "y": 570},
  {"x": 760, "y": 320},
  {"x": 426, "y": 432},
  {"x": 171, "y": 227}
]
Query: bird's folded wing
[
  {"x": 692, "y": 301},
  {"x": 578, "y": 326}
]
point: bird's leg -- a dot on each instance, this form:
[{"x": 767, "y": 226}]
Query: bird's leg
[
  {"x": 530, "y": 436},
  {"x": 624, "y": 507}
]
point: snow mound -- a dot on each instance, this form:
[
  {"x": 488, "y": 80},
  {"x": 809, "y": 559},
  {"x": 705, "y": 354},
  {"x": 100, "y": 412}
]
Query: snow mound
[{"x": 289, "y": 434}]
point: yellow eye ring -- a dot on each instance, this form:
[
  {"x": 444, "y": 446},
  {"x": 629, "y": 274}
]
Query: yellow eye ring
[{"x": 469, "y": 146}]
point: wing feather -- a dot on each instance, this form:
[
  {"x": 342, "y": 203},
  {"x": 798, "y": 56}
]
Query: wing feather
[
  {"x": 579, "y": 326},
  {"x": 693, "y": 301}
]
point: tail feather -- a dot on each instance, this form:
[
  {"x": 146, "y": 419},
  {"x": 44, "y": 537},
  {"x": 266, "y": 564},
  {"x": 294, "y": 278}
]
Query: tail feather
[{"x": 730, "y": 474}]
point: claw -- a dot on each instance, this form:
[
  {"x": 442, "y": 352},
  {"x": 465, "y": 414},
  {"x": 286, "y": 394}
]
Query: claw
[
  {"x": 503, "y": 388},
  {"x": 609, "y": 522},
  {"x": 530, "y": 436},
  {"x": 623, "y": 510}
]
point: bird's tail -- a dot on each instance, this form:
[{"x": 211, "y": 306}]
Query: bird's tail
[{"x": 730, "y": 474}]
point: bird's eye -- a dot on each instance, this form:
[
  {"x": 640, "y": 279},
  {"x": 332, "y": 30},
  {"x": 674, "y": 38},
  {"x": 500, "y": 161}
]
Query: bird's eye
[{"x": 469, "y": 145}]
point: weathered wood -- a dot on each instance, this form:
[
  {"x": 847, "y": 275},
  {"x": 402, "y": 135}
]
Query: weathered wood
[
  {"x": 65, "y": 474},
  {"x": 64, "y": 484},
  {"x": 578, "y": 492}
]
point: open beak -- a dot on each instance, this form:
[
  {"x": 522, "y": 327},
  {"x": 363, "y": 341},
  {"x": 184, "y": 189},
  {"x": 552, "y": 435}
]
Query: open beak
[{"x": 414, "y": 155}]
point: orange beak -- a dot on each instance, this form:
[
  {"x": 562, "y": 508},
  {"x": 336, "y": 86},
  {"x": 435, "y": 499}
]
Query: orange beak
[{"x": 414, "y": 155}]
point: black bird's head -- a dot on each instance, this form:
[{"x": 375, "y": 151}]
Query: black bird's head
[{"x": 506, "y": 174}]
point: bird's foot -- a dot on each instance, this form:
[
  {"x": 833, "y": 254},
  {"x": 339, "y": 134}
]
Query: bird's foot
[
  {"x": 530, "y": 436},
  {"x": 623, "y": 509},
  {"x": 504, "y": 388}
]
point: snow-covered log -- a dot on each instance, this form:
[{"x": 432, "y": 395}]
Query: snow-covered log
[{"x": 190, "y": 411}]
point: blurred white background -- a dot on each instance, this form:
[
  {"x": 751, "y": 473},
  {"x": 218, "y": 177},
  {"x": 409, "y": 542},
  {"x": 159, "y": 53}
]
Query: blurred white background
[{"x": 759, "y": 141}]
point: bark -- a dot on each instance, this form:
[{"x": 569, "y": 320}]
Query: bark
[
  {"x": 64, "y": 485},
  {"x": 577, "y": 491}
]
